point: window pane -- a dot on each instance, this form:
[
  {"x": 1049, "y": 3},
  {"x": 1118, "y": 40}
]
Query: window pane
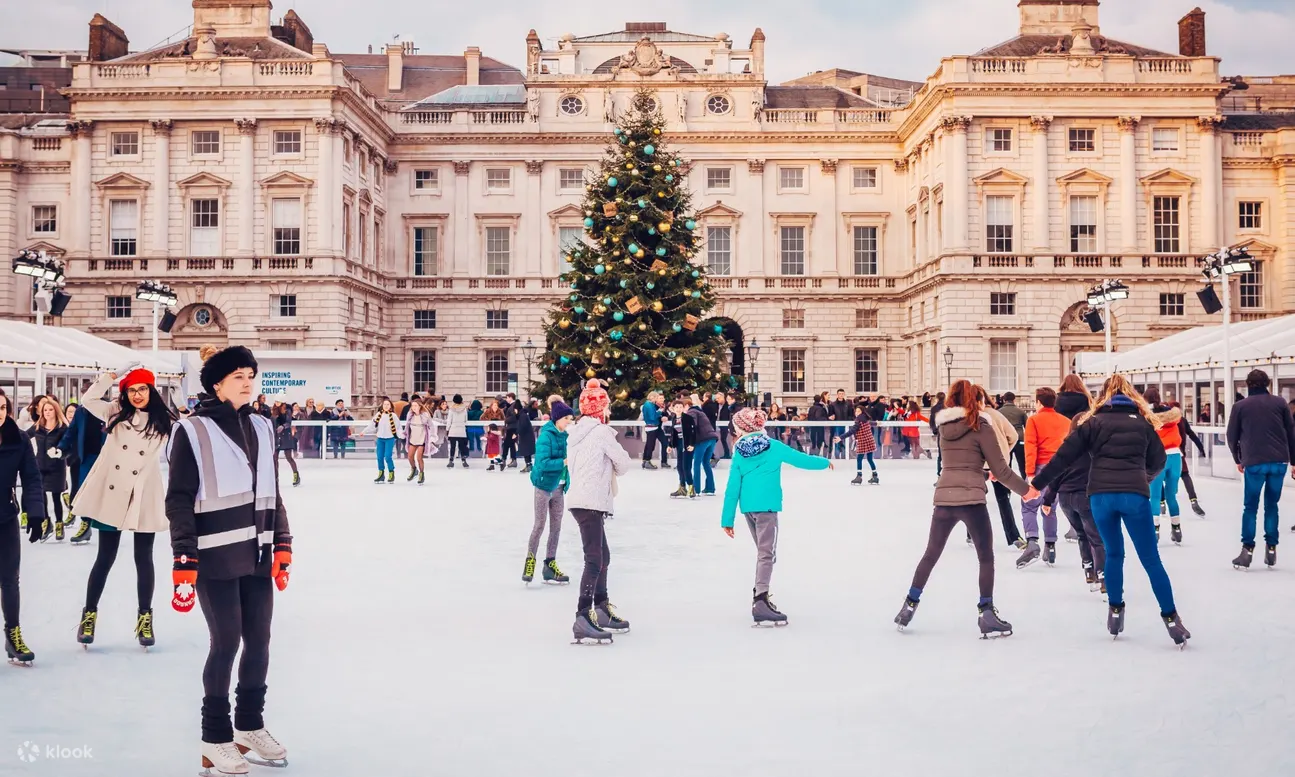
[
  {"x": 571, "y": 178},
  {"x": 119, "y": 307},
  {"x": 1002, "y": 303},
  {"x": 793, "y": 371},
  {"x": 569, "y": 238},
  {"x": 1083, "y": 225},
  {"x": 124, "y": 143},
  {"x": 285, "y": 217},
  {"x": 498, "y": 250},
  {"x": 866, "y": 371},
  {"x": 44, "y": 219},
  {"x": 424, "y": 319},
  {"x": 425, "y": 179},
  {"x": 999, "y": 216},
  {"x": 205, "y": 142},
  {"x": 424, "y": 371},
  {"x": 1251, "y": 215},
  {"x": 425, "y": 248},
  {"x": 1000, "y": 140},
  {"x": 719, "y": 177},
  {"x": 1002, "y": 366},
  {"x": 1251, "y": 288},
  {"x": 496, "y": 371},
  {"x": 865, "y": 177},
  {"x": 496, "y": 319},
  {"x": 1172, "y": 304},
  {"x": 1164, "y": 212},
  {"x": 865, "y": 250},
  {"x": 287, "y": 141},
  {"x": 204, "y": 227},
  {"x": 719, "y": 250},
  {"x": 865, "y": 318},
  {"x": 499, "y": 179},
  {"x": 1164, "y": 139},
  {"x": 1083, "y": 140},
  {"x": 791, "y": 177},
  {"x": 124, "y": 221},
  {"x": 792, "y": 248}
]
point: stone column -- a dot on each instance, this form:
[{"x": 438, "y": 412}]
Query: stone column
[
  {"x": 758, "y": 263},
  {"x": 533, "y": 223},
  {"x": 830, "y": 265},
  {"x": 247, "y": 186},
  {"x": 1129, "y": 239},
  {"x": 462, "y": 224},
  {"x": 956, "y": 196},
  {"x": 337, "y": 142},
  {"x": 79, "y": 218},
  {"x": 161, "y": 187},
  {"x": 1041, "y": 239},
  {"x": 322, "y": 240},
  {"x": 1211, "y": 182}
]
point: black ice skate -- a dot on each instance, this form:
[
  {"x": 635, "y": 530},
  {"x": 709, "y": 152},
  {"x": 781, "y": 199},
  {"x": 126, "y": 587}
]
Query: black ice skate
[
  {"x": 1243, "y": 561},
  {"x": 450, "y": 465},
  {"x": 1115, "y": 620},
  {"x": 296, "y": 478},
  {"x": 260, "y": 748},
  {"x": 765, "y": 614},
  {"x": 858, "y": 480},
  {"x": 85, "y": 632},
  {"x": 1090, "y": 576},
  {"x": 649, "y": 465},
  {"x": 1030, "y": 555},
  {"x": 991, "y": 625},
  {"x": 874, "y": 480},
  {"x": 906, "y": 613},
  {"x": 82, "y": 535},
  {"x": 679, "y": 493},
  {"x": 1176, "y": 534},
  {"x": 58, "y": 531},
  {"x": 381, "y": 478},
  {"x": 1196, "y": 508},
  {"x": 1270, "y": 556},
  {"x": 528, "y": 571},
  {"x": 553, "y": 575},
  {"x": 1050, "y": 553},
  {"x": 608, "y": 620},
  {"x": 413, "y": 473},
  {"x": 1157, "y": 534},
  {"x": 587, "y": 631},
  {"x": 16, "y": 650},
  {"x": 1177, "y": 631},
  {"x": 525, "y": 469},
  {"x": 1071, "y": 536},
  {"x": 144, "y": 629}
]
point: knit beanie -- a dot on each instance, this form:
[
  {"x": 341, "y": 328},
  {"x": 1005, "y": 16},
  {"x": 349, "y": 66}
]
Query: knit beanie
[
  {"x": 221, "y": 364},
  {"x": 135, "y": 377},
  {"x": 594, "y": 400},
  {"x": 559, "y": 410},
  {"x": 748, "y": 420}
]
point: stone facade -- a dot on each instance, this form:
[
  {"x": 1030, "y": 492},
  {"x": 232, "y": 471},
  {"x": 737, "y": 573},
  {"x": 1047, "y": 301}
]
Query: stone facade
[{"x": 857, "y": 227}]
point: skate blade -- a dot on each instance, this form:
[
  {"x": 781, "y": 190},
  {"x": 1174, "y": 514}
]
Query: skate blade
[
  {"x": 616, "y": 631},
  {"x": 1240, "y": 568},
  {"x": 256, "y": 760},
  {"x": 23, "y": 664},
  {"x": 1027, "y": 564},
  {"x": 557, "y": 582},
  {"x": 1072, "y": 542},
  {"x": 592, "y": 641},
  {"x": 769, "y": 624},
  {"x": 212, "y": 771},
  {"x": 995, "y": 635}
]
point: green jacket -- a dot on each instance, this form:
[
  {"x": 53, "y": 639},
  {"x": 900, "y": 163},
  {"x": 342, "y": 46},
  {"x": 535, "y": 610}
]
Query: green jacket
[
  {"x": 755, "y": 475},
  {"x": 550, "y": 468}
]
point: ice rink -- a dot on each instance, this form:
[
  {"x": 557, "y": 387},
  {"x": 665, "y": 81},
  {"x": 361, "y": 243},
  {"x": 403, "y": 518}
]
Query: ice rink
[{"x": 408, "y": 645}]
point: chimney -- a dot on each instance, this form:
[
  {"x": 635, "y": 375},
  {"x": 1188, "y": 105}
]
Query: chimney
[
  {"x": 472, "y": 57},
  {"x": 757, "y": 52},
  {"x": 299, "y": 35},
  {"x": 107, "y": 41},
  {"x": 1191, "y": 34},
  {"x": 395, "y": 66}
]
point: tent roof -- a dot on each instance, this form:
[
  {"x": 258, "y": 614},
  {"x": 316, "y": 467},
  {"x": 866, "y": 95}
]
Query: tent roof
[
  {"x": 71, "y": 350},
  {"x": 1252, "y": 341}
]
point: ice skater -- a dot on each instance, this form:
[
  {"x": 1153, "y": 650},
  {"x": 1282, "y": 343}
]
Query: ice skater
[
  {"x": 223, "y": 499},
  {"x": 1071, "y": 489},
  {"x": 1044, "y": 432},
  {"x": 17, "y": 465},
  {"x": 865, "y": 444},
  {"x": 1261, "y": 438},
  {"x": 388, "y": 432},
  {"x": 970, "y": 444},
  {"x": 755, "y": 487},
  {"x": 550, "y": 479},
  {"x": 1164, "y": 486}
]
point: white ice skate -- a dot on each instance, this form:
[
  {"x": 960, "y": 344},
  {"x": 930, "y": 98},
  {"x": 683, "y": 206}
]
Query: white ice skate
[
  {"x": 221, "y": 759},
  {"x": 261, "y": 748}
]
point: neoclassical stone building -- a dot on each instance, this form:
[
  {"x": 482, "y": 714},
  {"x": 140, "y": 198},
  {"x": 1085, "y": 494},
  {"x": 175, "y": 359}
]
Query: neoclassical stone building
[{"x": 856, "y": 226}]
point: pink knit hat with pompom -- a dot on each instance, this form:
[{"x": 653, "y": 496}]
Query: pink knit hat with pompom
[
  {"x": 594, "y": 400},
  {"x": 748, "y": 420}
]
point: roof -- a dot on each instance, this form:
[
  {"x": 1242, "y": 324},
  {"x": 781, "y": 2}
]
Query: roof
[
  {"x": 505, "y": 94},
  {"x": 1033, "y": 45},
  {"x": 64, "y": 349},
  {"x": 609, "y": 65},
  {"x": 424, "y": 75},
  {"x": 1257, "y": 122},
  {"x": 256, "y": 48},
  {"x": 776, "y": 97},
  {"x": 657, "y": 36},
  {"x": 1252, "y": 341},
  {"x": 17, "y": 121}
]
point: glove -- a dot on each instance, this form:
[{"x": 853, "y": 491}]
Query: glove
[
  {"x": 184, "y": 576},
  {"x": 55, "y": 453},
  {"x": 282, "y": 561},
  {"x": 35, "y": 528}
]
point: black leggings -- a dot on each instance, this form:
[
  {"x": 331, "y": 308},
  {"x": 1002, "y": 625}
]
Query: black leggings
[
  {"x": 593, "y": 581},
  {"x": 57, "y": 496},
  {"x": 1091, "y": 550},
  {"x": 10, "y": 556},
  {"x": 109, "y": 542},
  {"x": 976, "y": 517},
  {"x": 288, "y": 454},
  {"x": 460, "y": 444},
  {"x": 1187, "y": 481},
  {"x": 1004, "y": 499},
  {"x": 237, "y": 611}
]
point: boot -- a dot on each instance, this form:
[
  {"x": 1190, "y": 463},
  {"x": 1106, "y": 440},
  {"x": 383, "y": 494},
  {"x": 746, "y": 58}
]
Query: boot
[
  {"x": 1270, "y": 556},
  {"x": 1090, "y": 576},
  {"x": 692, "y": 492},
  {"x": 58, "y": 531},
  {"x": 765, "y": 614},
  {"x": 260, "y": 748},
  {"x": 525, "y": 469},
  {"x": 1164, "y": 509},
  {"x": 1050, "y": 553},
  {"x": 144, "y": 629},
  {"x": 609, "y": 620},
  {"x": 465, "y": 463},
  {"x": 512, "y": 464},
  {"x": 413, "y": 473},
  {"x": 858, "y": 480},
  {"x": 587, "y": 631},
  {"x": 1020, "y": 543},
  {"x": 1115, "y": 620},
  {"x": 296, "y": 478},
  {"x": 422, "y": 476},
  {"x": 1177, "y": 631},
  {"x": 17, "y": 650},
  {"x": 82, "y": 535},
  {"x": 649, "y": 465},
  {"x": 1030, "y": 555},
  {"x": 1243, "y": 561},
  {"x": 906, "y": 613},
  {"x": 86, "y": 633},
  {"x": 222, "y": 759},
  {"x": 553, "y": 575},
  {"x": 1176, "y": 534},
  {"x": 991, "y": 624},
  {"x": 491, "y": 468},
  {"x": 679, "y": 493},
  {"x": 391, "y": 476},
  {"x": 1196, "y": 508},
  {"x": 528, "y": 570},
  {"x": 874, "y": 480},
  {"x": 1157, "y": 534},
  {"x": 22, "y": 522},
  {"x": 450, "y": 464},
  {"x": 1071, "y": 536},
  {"x": 47, "y": 530},
  {"x": 381, "y": 478}
]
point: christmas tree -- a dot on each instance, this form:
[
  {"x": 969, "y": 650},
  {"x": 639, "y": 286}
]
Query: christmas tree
[{"x": 632, "y": 314}]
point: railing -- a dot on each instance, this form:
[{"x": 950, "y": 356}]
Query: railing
[
  {"x": 1247, "y": 138},
  {"x": 790, "y": 116},
  {"x": 118, "y": 264},
  {"x": 863, "y": 116},
  {"x": 46, "y": 144},
  {"x": 427, "y": 117},
  {"x": 498, "y": 117},
  {"x": 1000, "y": 260},
  {"x": 997, "y": 65},
  {"x": 859, "y": 283},
  {"x": 1175, "y": 262},
  {"x": 122, "y": 71},
  {"x": 290, "y": 67},
  {"x": 1164, "y": 65}
]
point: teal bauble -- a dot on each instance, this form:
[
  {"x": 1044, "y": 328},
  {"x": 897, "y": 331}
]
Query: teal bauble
[
  {"x": 649, "y": 149},
  {"x": 612, "y": 182},
  {"x": 694, "y": 362},
  {"x": 599, "y": 269},
  {"x": 642, "y": 203},
  {"x": 574, "y": 297},
  {"x": 696, "y": 273},
  {"x": 669, "y": 178},
  {"x": 634, "y": 357},
  {"x": 578, "y": 310},
  {"x": 618, "y": 316},
  {"x": 673, "y": 354},
  {"x": 619, "y": 373},
  {"x": 616, "y": 131},
  {"x": 625, "y": 284},
  {"x": 553, "y": 368},
  {"x": 616, "y": 335},
  {"x": 564, "y": 360},
  {"x": 719, "y": 330},
  {"x": 607, "y": 300},
  {"x": 690, "y": 224},
  {"x": 651, "y": 230},
  {"x": 589, "y": 223},
  {"x": 632, "y": 248},
  {"x": 661, "y": 251},
  {"x": 651, "y": 285},
  {"x": 677, "y": 328},
  {"x": 696, "y": 295}
]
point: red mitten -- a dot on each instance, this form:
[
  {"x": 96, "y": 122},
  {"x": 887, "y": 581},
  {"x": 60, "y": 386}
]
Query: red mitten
[
  {"x": 282, "y": 561},
  {"x": 184, "y": 576}
]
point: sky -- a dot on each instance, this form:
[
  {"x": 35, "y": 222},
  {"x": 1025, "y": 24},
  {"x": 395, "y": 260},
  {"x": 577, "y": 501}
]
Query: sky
[{"x": 897, "y": 38}]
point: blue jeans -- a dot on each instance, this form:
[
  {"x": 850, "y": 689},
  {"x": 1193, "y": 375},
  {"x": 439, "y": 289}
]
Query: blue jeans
[
  {"x": 701, "y": 461},
  {"x": 858, "y": 461},
  {"x": 1269, "y": 478},
  {"x": 1135, "y": 511},
  {"x": 1165, "y": 486},
  {"x": 385, "y": 446}
]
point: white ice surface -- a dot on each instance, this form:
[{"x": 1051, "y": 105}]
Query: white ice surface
[{"x": 407, "y": 645}]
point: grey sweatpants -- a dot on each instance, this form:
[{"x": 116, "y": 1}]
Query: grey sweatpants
[
  {"x": 548, "y": 504},
  {"x": 764, "y": 530}
]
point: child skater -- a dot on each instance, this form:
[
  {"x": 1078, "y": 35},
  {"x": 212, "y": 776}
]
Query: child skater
[
  {"x": 493, "y": 446},
  {"x": 755, "y": 484},
  {"x": 864, "y": 446}
]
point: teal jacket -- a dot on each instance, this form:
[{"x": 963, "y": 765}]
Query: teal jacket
[
  {"x": 550, "y": 468},
  {"x": 755, "y": 475}
]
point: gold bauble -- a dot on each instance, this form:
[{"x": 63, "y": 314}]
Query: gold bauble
[
  {"x": 639, "y": 253},
  {"x": 660, "y": 194},
  {"x": 589, "y": 373},
  {"x": 627, "y": 261},
  {"x": 634, "y": 218},
  {"x": 607, "y": 354},
  {"x": 565, "y": 323},
  {"x": 656, "y": 168},
  {"x": 599, "y": 340},
  {"x": 664, "y": 226},
  {"x": 620, "y": 200},
  {"x": 660, "y": 272},
  {"x": 588, "y": 351},
  {"x": 616, "y": 238},
  {"x": 616, "y": 354},
  {"x": 656, "y": 130},
  {"x": 599, "y": 309},
  {"x": 680, "y": 361},
  {"x": 622, "y": 394},
  {"x": 657, "y": 306},
  {"x": 642, "y": 327},
  {"x": 633, "y": 144},
  {"x": 629, "y": 165},
  {"x": 616, "y": 252},
  {"x": 706, "y": 374}
]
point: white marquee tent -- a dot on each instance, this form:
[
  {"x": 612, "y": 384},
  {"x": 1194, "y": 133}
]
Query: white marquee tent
[
  {"x": 66, "y": 358},
  {"x": 1197, "y": 354}
]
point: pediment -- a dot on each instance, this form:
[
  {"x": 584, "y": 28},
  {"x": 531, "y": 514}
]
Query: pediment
[
  {"x": 122, "y": 181},
  {"x": 1168, "y": 176},
  {"x": 49, "y": 248},
  {"x": 287, "y": 178},
  {"x": 566, "y": 211},
  {"x": 1085, "y": 175},
  {"x": 365, "y": 197},
  {"x": 203, "y": 179},
  {"x": 720, "y": 209},
  {"x": 1002, "y": 176},
  {"x": 1256, "y": 246}
]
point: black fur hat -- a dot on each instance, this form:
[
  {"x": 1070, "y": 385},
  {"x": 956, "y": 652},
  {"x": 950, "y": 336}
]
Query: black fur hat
[{"x": 220, "y": 364}]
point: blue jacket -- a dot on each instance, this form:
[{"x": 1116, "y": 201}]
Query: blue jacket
[
  {"x": 651, "y": 415},
  {"x": 755, "y": 475},
  {"x": 82, "y": 441},
  {"x": 550, "y": 468}
]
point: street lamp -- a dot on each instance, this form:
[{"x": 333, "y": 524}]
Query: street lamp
[
  {"x": 1102, "y": 295},
  {"x": 753, "y": 379},
  {"x": 1228, "y": 261},
  {"x": 160, "y": 295},
  {"x": 948, "y": 363},
  {"x": 48, "y": 280},
  {"x": 528, "y": 353}
]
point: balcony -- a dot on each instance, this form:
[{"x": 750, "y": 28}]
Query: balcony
[
  {"x": 776, "y": 119},
  {"x": 223, "y": 72},
  {"x": 1058, "y": 69},
  {"x": 206, "y": 268}
]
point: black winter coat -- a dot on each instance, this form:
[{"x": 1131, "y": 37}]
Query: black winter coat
[
  {"x": 17, "y": 462},
  {"x": 53, "y": 470},
  {"x": 284, "y": 439},
  {"x": 711, "y": 408},
  {"x": 1261, "y": 431},
  {"x": 817, "y": 412},
  {"x": 843, "y": 410},
  {"x": 1075, "y": 479},
  {"x": 1125, "y": 448},
  {"x": 1071, "y": 403},
  {"x": 525, "y": 430}
]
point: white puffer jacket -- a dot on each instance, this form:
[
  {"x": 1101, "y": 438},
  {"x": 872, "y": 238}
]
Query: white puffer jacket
[{"x": 594, "y": 458}]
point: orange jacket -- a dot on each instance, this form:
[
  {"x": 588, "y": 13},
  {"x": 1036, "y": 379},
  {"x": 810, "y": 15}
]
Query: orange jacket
[
  {"x": 1170, "y": 434},
  {"x": 1044, "y": 433}
]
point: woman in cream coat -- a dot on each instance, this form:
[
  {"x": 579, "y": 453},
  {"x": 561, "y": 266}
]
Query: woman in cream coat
[{"x": 124, "y": 491}]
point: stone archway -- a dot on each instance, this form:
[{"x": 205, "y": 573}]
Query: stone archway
[
  {"x": 1077, "y": 337},
  {"x": 199, "y": 324},
  {"x": 734, "y": 362}
]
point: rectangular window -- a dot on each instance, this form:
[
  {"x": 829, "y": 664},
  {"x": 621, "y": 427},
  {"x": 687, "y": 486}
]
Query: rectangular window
[
  {"x": 912, "y": 238},
  {"x": 1083, "y": 225},
  {"x": 865, "y": 318},
  {"x": 1002, "y": 303},
  {"x": 1250, "y": 286},
  {"x": 1164, "y": 139},
  {"x": 1171, "y": 304},
  {"x": 571, "y": 179},
  {"x": 123, "y": 218},
  {"x": 1083, "y": 140},
  {"x": 283, "y": 305},
  {"x": 496, "y": 372},
  {"x": 1164, "y": 215},
  {"x": 499, "y": 179},
  {"x": 123, "y": 144},
  {"x": 424, "y": 319},
  {"x": 792, "y": 250},
  {"x": 569, "y": 239},
  {"x": 864, "y": 178},
  {"x": 346, "y": 229},
  {"x": 719, "y": 179},
  {"x": 496, "y": 319},
  {"x": 793, "y": 371},
  {"x": 204, "y": 227},
  {"x": 425, "y": 371},
  {"x": 498, "y": 250},
  {"x": 1250, "y": 215},
  {"x": 1000, "y": 140},
  {"x": 793, "y": 319},
  {"x": 1002, "y": 366},
  {"x": 119, "y": 307},
  {"x": 999, "y": 215},
  {"x": 287, "y": 141},
  {"x": 719, "y": 250},
  {"x": 425, "y": 249},
  {"x": 791, "y": 178},
  {"x": 865, "y": 250},
  {"x": 364, "y": 237},
  {"x": 366, "y": 314},
  {"x": 285, "y": 219},
  {"x": 867, "y": 373},
  {"x": 427, "y": 180},
  {"x": 44, "y": 219},
  {"x": 204, "y": 142}
]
